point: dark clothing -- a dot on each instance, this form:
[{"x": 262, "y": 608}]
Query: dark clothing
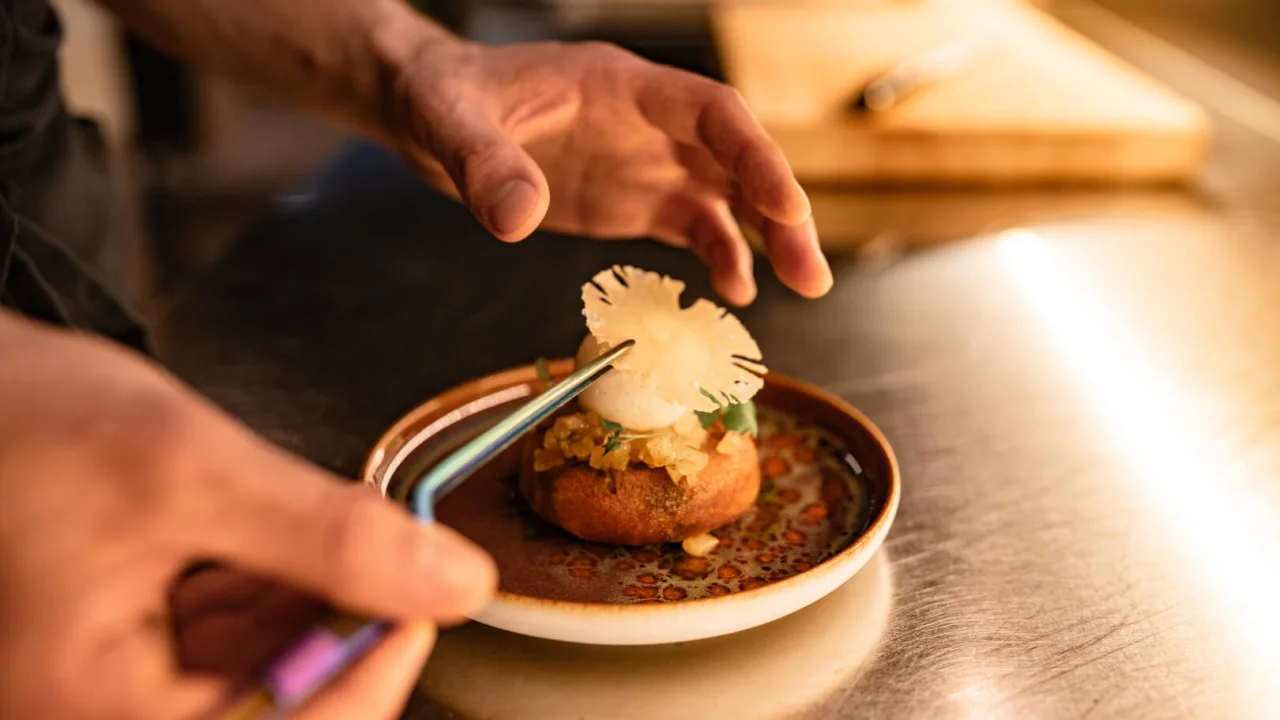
[{"x": 61, "y": 254}]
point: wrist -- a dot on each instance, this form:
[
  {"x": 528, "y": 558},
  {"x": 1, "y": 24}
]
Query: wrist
[
  {"x": 405, "y": 43},
  {"x": 398, "y": 33}
]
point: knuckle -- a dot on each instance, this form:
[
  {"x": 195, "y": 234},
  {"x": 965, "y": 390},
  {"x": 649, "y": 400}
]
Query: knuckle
[
  {"x": 602, "y": 50},
  {"x": 725, "y": 111},
  {"x": 479, "y": 162},
  {"x": 732, "y": 97},
  {"x": 610, "y": 65},
  {"x": 558, "y": 46},
  {"x": 150, "y": 444},
  {"x": 723, "y": 95},
  {"x": 420, "y": 109},
  {"x": 414, "y": 96}
]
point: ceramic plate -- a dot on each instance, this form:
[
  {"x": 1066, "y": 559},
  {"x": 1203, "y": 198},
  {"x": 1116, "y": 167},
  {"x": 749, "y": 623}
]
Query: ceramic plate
[{"x": 829, "y": 495}]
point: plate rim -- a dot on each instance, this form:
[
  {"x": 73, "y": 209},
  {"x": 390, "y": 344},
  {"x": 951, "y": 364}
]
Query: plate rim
[{"x": 875, "y": 531}]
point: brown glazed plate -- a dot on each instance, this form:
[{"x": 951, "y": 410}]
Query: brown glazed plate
[{"x": 829, "y": 495}]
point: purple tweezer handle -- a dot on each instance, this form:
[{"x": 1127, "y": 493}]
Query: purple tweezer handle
[
  {"x": 311, "y": 661},
  {"x": 328, "y": 650}
]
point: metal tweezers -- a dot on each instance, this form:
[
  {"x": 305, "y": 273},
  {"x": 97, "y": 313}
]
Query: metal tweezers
[
  {"x": 330, "y": 648},
  {"x": 450, "y": 472}
]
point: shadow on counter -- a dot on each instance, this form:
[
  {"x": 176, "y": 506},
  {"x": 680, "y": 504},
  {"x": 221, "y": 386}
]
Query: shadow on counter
[{"x": 769, "y": 672}]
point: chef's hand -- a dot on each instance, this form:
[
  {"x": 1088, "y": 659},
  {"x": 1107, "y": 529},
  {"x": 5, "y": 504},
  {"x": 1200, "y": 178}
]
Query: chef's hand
[
  {"x": 589, "y": 139},
  {"x": 114, "y": 479}
]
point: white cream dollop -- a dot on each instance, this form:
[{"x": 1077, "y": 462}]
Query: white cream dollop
[{"x": 629, "y": 400}]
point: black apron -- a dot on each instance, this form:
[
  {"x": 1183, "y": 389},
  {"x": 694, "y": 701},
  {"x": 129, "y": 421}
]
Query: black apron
[{"x": 61, "y": 249}]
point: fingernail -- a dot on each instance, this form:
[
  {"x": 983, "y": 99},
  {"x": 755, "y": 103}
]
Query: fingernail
[
  {"x": 739, "y": 288},
  {"x": 747, "y": 289},
  {"x": 806, "y": 205},
  {"x": 511, "y": 209},
  {"x": 827, "y": 279},
  {"x": 735, "y": 293},
  {"x": 826, "y": 285}
]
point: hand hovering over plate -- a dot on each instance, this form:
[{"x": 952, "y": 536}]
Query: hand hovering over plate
[
  {"x": 591, "y": 140},
  {"x": 114, "y": 480},
  {"x": 576, "y": 138}
]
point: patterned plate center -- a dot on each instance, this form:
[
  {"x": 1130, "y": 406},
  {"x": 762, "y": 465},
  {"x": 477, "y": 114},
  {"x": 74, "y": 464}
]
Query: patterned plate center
[{"x": 814, "y": 502}]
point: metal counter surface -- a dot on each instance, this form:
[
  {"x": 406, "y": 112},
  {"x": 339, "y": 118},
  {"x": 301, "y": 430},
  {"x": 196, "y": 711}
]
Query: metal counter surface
[{"x": 1087, "y": 416}]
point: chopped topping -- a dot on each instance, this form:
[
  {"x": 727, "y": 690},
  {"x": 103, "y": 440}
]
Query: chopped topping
[
  {"x": 604, "y": 445},
  {"x": 658, "y": 451},
  {"x": 700, "y": 545},
  {"x": 544, "y": 459},
  {"x": 731, "y": 443},
  {"x": 699, "y": 357},
  {"x": 603, "y": 458},
  {"x": 689, "y": 427},
  {"x": 574, "y": 435},
  {"x": 688, "y": 465},
  {"x": 669, "y": 451}
]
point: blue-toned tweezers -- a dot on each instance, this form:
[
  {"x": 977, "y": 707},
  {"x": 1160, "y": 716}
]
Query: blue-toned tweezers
[
  {"x": 450, "y": 472},
  {"x": 330, "y": 648}
]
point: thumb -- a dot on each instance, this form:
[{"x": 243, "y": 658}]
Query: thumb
[
  {"x": 341, "y": 542},
  {"x": 496, "y": 178}
]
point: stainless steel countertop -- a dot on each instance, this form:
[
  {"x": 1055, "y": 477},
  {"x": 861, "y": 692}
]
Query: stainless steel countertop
[{"x": 1087, "y": 415}]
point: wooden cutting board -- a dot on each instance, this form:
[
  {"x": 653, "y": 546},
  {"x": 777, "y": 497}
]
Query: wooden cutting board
[{"x": 1038, "y": 104}]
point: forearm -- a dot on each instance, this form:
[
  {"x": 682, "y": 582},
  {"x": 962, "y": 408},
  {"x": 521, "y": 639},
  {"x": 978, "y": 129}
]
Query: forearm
[{"x": 336, "y": 57}]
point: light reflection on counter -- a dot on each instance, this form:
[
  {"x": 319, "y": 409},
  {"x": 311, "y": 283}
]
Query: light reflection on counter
[{"x": 1218, "y": 531}]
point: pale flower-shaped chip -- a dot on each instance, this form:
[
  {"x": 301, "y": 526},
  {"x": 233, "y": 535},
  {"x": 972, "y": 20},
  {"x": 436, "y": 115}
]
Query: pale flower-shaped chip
[{"x": 690, "y": 352}]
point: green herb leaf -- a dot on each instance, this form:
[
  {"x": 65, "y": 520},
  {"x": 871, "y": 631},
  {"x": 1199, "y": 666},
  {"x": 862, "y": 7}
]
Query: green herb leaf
[
  {"x": 544, "y": 370},
  {"x": 614, "y": 441},
  {"x": 741, "y": 418},
  {"x": 709, "y": 417}
]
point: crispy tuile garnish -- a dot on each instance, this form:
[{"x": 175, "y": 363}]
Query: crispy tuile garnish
[{"x": 700, "y": 356}]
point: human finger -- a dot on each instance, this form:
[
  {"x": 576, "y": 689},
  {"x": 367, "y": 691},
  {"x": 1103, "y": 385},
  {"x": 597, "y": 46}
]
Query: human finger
[
  {"x": 705, "y": 225},
  {"x": 274, "y": 515},
  {"x": 793, "y": 251},
  {"x": 698, "y": 111},
  {"x": 495, "y": 177}
]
